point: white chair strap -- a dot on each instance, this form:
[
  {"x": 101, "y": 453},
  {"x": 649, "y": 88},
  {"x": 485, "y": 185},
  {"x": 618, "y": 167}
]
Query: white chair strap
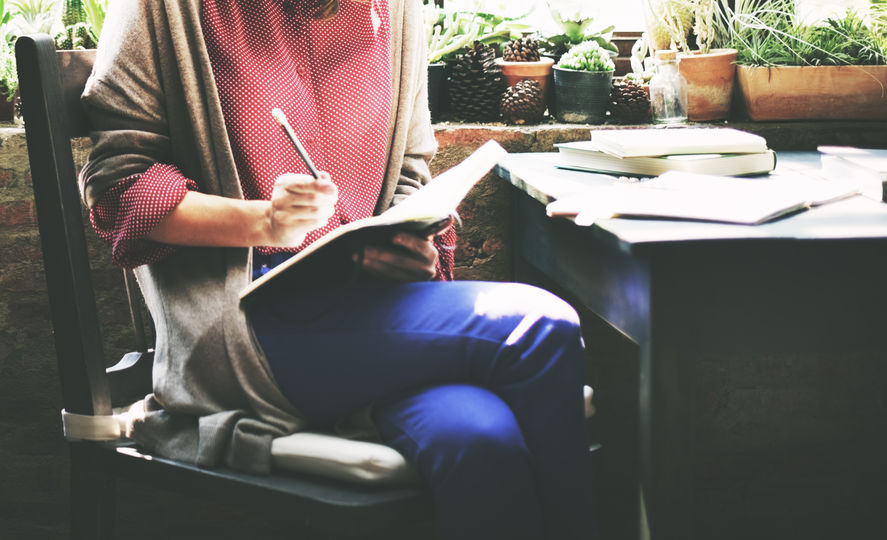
[
  {"x": 588, "y": 394},
  {"x": 79, "y": 427}
]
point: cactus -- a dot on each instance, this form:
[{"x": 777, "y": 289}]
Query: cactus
[
  {"x": 74, "y": 12},
  {"x": 78, "y": 33}
]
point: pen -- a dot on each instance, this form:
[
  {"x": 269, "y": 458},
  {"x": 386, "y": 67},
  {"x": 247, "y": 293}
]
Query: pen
[{"x": 281, "y": 119}]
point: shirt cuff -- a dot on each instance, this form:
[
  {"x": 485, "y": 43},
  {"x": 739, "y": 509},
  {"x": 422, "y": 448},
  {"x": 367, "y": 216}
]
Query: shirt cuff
[
  {"x": 446, "y": 247},
  {"x": 129, "y": 210}
]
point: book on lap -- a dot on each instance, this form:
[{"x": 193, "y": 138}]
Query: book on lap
[
  {"x": 426, "y": 212},
  {"x": 678, "y": 140},
  {"x": 585, "y": 156}
]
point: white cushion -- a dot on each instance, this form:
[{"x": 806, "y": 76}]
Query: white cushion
[{"x": 337, "y": 457}]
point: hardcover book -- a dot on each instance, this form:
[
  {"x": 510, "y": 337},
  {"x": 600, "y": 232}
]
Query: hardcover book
[
  {"x": 585, "y": 156},
  {"x": 679, "y": 140}
]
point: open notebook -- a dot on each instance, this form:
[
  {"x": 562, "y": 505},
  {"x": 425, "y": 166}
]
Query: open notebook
[
  {"x": 425, "y": 212},
  {"x": 681, "y": 195}
]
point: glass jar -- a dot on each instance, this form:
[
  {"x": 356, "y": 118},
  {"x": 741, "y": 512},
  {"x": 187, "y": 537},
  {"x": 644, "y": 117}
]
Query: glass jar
[{"x": 668, "y": 90}]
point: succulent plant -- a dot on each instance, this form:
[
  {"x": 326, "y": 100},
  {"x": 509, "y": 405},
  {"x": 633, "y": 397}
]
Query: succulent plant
[
  {"x": 574, "y": 17},
  {"x": 587, "y": 56},
  {"x": 451, "y": 33}
]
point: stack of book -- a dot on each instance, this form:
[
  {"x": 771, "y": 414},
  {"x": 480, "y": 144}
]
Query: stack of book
[
  {"x": 654, "y": 151},
  {"x": 866, "y": 166},
  {"x": 713, "y": 174}
]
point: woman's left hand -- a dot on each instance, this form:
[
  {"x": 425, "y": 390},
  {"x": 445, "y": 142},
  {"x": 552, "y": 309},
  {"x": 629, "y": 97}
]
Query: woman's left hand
[{"x": 408, "y": 258}]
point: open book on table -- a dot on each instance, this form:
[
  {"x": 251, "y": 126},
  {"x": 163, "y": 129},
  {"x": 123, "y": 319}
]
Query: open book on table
[
  {"x": 698, "y": 197},
  {"x": 426, "y": 212},
  {"x": 867, "y": 166}
]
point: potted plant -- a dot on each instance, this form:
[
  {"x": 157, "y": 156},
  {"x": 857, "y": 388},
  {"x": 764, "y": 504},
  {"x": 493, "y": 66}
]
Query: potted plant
[
  {"x": 708, "y": 70},
  {"x": 789, "y": 70},
  {"x": 522, "y": 61},
  {"x": 450, "y": 35},
  {"x": 582, "y": 79},
  {"x": 576, "y": 25},
  {"x": 32, "y": 17},
  {"x": 8, "y": 76}
]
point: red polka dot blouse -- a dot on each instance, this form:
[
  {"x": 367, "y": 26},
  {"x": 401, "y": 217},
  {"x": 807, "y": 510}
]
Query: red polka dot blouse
[{"x": 331, "y": 78}]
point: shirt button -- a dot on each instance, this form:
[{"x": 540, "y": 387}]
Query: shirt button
[
  {"x": 310, "y": 140},
  {"x": 301, "y": 71}
]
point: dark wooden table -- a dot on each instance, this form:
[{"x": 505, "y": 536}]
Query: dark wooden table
[{"x": 812, "y": 283}]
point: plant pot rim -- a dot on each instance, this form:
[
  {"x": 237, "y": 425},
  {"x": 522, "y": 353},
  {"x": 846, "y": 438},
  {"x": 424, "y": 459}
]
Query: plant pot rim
[
  {"x": 582, "y": 70},
  {"x": 781, "y": 66},
  {"x": 542, "y": 60},
  {"x": 713, "y": 52}
]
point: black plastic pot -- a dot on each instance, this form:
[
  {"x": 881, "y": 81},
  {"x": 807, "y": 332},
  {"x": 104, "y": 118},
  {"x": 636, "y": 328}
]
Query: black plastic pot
[
  {"x": 437, "y": 90},
  {"x": 581, "y": 96}
]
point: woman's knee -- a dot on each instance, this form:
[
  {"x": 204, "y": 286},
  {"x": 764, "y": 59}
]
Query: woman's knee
[
  {"x": 510, "y": 299},
  {"x": 457, "y": 427}
]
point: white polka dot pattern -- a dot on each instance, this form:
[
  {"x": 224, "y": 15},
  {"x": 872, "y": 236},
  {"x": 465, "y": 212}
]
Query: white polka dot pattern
[{"x": 331, "y": 78}]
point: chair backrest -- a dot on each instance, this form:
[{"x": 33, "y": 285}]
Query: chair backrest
[{"x": 53, "y": 115}]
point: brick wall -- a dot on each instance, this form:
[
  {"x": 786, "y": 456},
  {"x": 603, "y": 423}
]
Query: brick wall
[{"x": 33, "y": 464}]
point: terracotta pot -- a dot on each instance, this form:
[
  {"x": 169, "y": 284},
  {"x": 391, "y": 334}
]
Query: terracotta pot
[
  {"x": 814, "y": 92},
  {"x": 540, "y": 71},
  {"x": 710, "y": 80}
]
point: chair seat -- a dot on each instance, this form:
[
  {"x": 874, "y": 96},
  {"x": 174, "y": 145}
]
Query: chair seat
[{"x": 339, "y": 507}]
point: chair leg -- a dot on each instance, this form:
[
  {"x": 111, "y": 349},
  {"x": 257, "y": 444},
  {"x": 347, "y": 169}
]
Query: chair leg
[{"x": 92, "y": 495}]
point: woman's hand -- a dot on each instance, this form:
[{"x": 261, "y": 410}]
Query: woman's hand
[
  {"x": 408, "y": 258},
  {"x": 299, "y": 204}
]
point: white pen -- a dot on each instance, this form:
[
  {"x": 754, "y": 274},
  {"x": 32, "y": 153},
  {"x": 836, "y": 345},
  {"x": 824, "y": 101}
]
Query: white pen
[{"x": 281, "y": 119}]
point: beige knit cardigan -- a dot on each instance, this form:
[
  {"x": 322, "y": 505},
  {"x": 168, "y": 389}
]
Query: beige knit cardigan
[{"x": 152, "y": 98}]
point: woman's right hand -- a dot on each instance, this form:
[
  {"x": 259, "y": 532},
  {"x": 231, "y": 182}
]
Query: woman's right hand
[{"x": 299, "y": 204}]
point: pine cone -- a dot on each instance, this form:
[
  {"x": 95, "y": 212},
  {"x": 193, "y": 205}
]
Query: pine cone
[
  {"x": 521, "y": 50},
  {"x": 476, "y": 85},
  {"x": 629, "y": 103},
  {"x": 523, "y": 103}
]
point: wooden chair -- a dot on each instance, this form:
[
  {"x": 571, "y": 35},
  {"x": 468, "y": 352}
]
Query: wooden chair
[{"x": 51, "y": 83}]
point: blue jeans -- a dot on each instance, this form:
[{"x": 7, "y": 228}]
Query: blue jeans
[{"x": 478, "y": 385}]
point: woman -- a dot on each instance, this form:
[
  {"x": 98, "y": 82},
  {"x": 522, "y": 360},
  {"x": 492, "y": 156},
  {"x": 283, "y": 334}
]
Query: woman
[{"x": 193, "y": 185}]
